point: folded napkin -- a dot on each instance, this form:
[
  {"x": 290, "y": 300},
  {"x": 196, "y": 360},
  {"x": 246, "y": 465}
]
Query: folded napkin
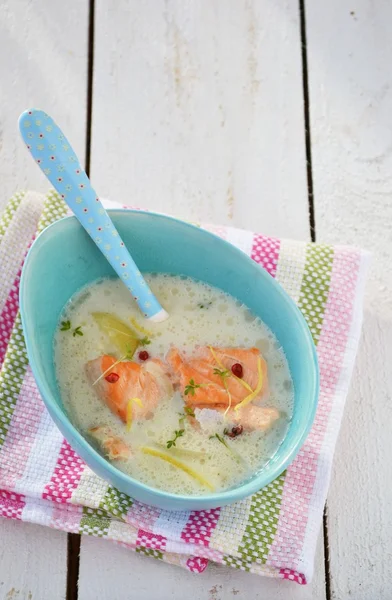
[{"x": 273, "y": 532}]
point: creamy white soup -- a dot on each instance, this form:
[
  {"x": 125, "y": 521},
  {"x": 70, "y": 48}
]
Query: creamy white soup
[{"x": 196, "y": 404}]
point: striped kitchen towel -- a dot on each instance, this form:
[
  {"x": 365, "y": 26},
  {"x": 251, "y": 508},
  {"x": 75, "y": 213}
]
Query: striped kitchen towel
[{"x": 273, "y": 532}]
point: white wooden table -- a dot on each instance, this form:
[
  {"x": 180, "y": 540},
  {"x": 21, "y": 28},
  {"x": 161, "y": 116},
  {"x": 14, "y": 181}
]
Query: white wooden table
[{"x": 235, "y": 112}]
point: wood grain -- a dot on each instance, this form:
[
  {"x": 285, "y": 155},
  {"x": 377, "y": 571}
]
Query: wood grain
[
  {"x": 43, "y": 64},
  {"x": 32, "y": 562},
  {"x": 109, "y": 571},
  {"x": 198, "y": 111},
  {"x": 351, "y": 103}
]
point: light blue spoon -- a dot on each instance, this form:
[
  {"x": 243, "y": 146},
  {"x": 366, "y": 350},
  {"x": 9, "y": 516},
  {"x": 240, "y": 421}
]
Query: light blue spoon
[{"x": 53, "y": 153}]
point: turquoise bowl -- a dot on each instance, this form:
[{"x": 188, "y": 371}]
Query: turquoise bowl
[{"x": 63, "y": 259}]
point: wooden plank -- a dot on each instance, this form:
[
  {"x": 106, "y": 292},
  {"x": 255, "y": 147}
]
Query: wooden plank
[
  {"x": 43, "y": 63},
  {"x": 115, "y": 572},
  {"x": 198, "y": 111},
  {"x": 190, "y": 117},
  {"x": 351, "y": 101},
  {"x": 32, "y": 560}
]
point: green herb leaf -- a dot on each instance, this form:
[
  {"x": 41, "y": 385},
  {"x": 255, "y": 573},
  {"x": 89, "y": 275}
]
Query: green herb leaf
[
  {"x": 189, "y": 411},
  {"x": 77, "y": 331},
  {"x": 178, "y": 433},
  {"x": 65, "y": 325},
  {"x": 221, "y": 440},
  {"x": 222, "y": 373},
  {"x": 235, "y": 454},
  {"x": 204, "y": 304},
  {"x": 144, "y": 341},
  {"x": 191, "y": 387}
]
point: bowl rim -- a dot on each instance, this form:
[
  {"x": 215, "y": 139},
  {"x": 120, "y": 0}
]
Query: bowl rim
[{"x": 258, "y": 481}]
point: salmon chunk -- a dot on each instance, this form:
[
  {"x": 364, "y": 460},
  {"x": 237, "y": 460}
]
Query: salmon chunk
[
  {"x": 207, "y": 380},
  {"x": 252, "y": 418},
  {"x": 125, "y": 381},
  {"x": 114, "y": 447}
]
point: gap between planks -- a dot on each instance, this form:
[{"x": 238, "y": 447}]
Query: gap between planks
[
  {"x": 312, "y": 225},
  {"x": 74, "y": 539},
  {"x": 73, "y": 560},
  {"x": 90, "y": 81},
  {"x": 308, "y": 141}
]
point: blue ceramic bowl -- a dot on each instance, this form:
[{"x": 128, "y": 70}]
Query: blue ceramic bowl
[{"x": 63, "y": 259}]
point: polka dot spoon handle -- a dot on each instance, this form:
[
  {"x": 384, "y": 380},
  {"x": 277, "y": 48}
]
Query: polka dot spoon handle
[{"x": 52, "y": 152}]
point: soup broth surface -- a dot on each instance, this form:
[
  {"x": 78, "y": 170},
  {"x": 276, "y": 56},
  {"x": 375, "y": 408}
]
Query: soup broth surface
[{"x": 199, "y": 315}]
